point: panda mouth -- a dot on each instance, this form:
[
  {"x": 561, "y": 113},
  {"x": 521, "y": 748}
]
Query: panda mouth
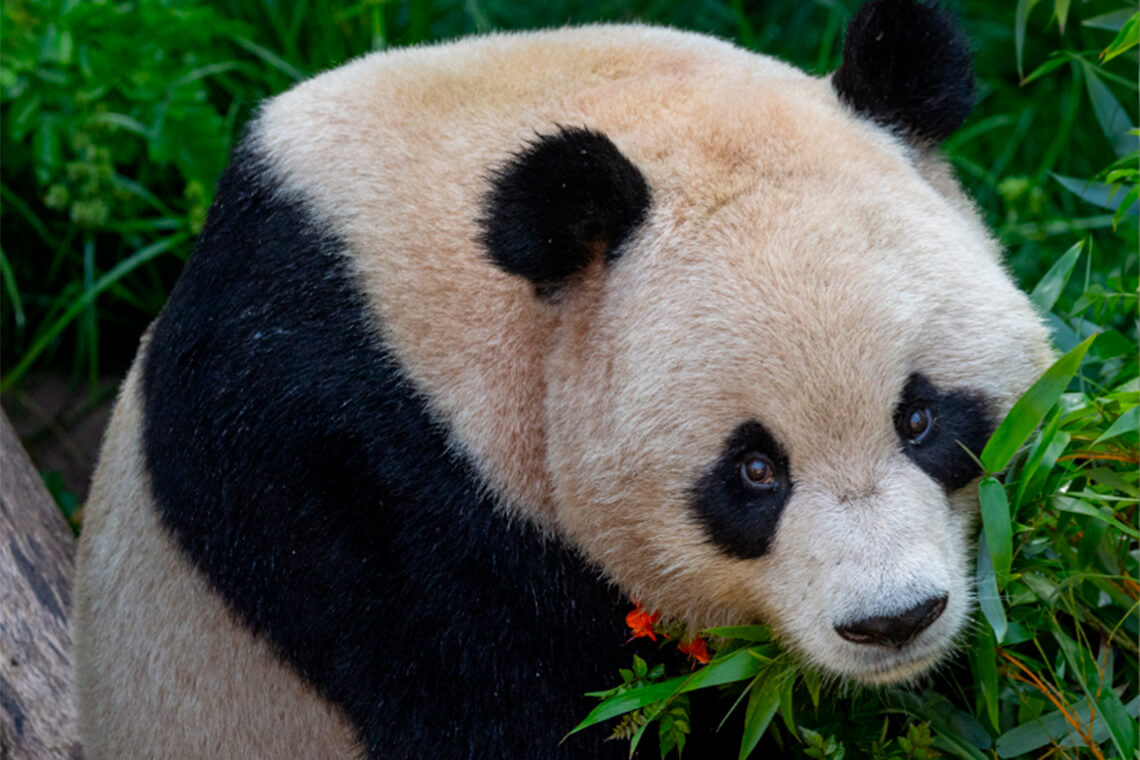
[
  {"x": 886, "y": 667},
  {"x": 909, "y": 669}
]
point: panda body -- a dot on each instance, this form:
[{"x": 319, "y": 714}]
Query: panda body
[{"x": 472, "y": 347}]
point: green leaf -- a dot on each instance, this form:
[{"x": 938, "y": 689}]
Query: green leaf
[
  {"x": 1109, "y": 478},
  {"x": 1113, "y": 21},
  {"x": 629, "y": 701},
  {"x": 1112, "y": 344},
  {"x": 1113, "y": 119},
  {"x": 1093, "y": 531},
  {"x": 1053, "y": 727},
  {"x": 986, "y": 674},
  {"x": 1061, "y": 13},
  {"x": 813, "y": 681},
  {"x": 757, "y": 633},
  {"x": 958, "y": 732},
  {"x": 989, "y": 597},
  {"x": 996, "y": 524},
  {"x": 763, "y": 700},
  {"x": 1049, "y": 287},
  {"x": 1128, "y": 422},
  {"x": 1128, "y": 205},
  {"x": 23, "y": 115},
  {"x": 1031, "y": 408},
  {"x": 1044, "y": 454},
  {"x": 12, "y": 290},
  {"x": 1021, "y": 19},
  {"x": 120, "y": 270},
  {"x": 1121, "y": 724},
  {"x": 1127, "y": 38},
  {"x": 736, "y": 666},
  {"x": 1111, "y": 197},
  {"x": 271, "y": 58},
  {"x": 1042, "y": 587},
  {"x": 787, "y": 699},
  {"x": 1079, "y": 507},
  {"x": 1055, "y": 61}
]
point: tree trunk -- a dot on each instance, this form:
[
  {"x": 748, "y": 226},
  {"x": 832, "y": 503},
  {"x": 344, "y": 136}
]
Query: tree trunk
[{"x": 37, "y": 558}]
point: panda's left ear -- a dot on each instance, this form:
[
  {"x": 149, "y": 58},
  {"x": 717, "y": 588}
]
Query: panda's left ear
[
  {"x": 907, "y": 66},
  {"x": 561, "y": 202}
]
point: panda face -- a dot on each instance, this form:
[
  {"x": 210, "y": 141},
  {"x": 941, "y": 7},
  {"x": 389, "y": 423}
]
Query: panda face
[{"x": 758, "y": 412}]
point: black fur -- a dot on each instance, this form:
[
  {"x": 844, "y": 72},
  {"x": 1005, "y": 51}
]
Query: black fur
[
  {"x": 907, "y": 65},
  {"x": 303, "y": 475},
  {"x": 959, "y": 417},
  {"x": 737, "y": 519},
  {"x": 559, "y": 204},
  {"x": 301, "y": 472}
]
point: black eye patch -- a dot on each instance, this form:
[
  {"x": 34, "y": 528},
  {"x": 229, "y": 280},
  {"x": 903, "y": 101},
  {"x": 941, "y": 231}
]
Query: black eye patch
[
  {"x": 738, "y": 516},
  {"x": 956, "y": 419}
]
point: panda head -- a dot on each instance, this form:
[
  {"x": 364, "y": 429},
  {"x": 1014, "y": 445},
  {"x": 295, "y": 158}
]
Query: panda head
[{"x": 770, "y": 367}]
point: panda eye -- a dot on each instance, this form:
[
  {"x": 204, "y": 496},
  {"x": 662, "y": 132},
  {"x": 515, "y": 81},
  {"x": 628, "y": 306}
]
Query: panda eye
[
  {"x": 758, "y": 472},
  {"x": 916, "y": 424}
]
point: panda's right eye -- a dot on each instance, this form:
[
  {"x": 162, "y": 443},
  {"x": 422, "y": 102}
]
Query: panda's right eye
[
  {"x": 916, "y": 423},
  {"x": 942, "y": 431},
  {"x": 758, "y": 472}
]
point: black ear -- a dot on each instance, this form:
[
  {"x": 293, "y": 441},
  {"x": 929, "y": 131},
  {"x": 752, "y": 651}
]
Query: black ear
[
  {"x": 907, "y": 66},
  {"x": 561, "y": 202}
]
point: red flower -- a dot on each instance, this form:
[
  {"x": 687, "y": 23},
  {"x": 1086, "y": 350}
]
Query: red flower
[
  {"x": 697, "y": 649},
  {"x": 642, "y": 622}
]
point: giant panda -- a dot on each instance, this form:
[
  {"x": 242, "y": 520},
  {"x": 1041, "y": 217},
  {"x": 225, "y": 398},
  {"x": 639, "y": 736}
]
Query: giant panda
[{"x": 482, "y": 340}]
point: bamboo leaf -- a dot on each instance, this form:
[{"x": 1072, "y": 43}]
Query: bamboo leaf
[
  {"x": 1113, "y": 119},
  {"x": 1049, "y": 287},
  {"x": 737, "y": 666},
  {"x": 1128, "y": 422},
  {"x": 1031, "y": 408},
  {"x": 757, "y": 633},
  {"x": 989, "y": 597},
  {"x": 270, "y": 58},
  {"x": 1056, "y": 61},
  {"x": 1104, "y": 514},
  {"x": 1021, "y": 20},
  {"x": 1127, "y": 38},
  {"x": 1113, "y": 21},
  {"x": 1061, "y": 13},
  {"x": 120, "y": 270},
  {"x": 996, "y": 524},
  {"x": 763, "y": 700},
  {"x": 1111, "y": 197},
  {"x": 986, "y": 673},
  {"x": 1052, "y": 728}
]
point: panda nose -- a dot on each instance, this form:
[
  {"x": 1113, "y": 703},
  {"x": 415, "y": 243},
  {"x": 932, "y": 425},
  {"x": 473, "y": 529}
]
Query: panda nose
[{"x": 897, "y": 631}]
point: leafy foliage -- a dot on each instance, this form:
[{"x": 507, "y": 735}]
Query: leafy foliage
[
  {"x": 1055, "y": 663},
  {"x": 1052, "y": 668}
]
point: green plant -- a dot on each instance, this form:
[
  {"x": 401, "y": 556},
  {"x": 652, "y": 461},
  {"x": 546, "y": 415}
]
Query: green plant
[
  {"x": 112, "y": 144},
  {"x": 1056, "y": 662}
]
